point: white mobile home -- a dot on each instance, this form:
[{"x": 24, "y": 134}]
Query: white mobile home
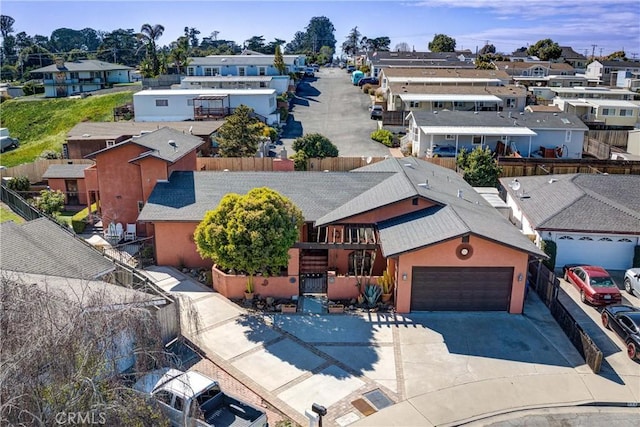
[
  {"x": 204, "y": 104},
  {"x": 279, "y": 83},
  {"x": 526, "y": 134}
]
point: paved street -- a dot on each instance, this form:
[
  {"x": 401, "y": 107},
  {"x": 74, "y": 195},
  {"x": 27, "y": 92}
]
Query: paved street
[
  {"x": 433, "y": 368},
  {"x": 332, "y": 106}
]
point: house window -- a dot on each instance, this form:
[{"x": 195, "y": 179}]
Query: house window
[
  {"x": 191, "y": 71},
  {"x": 414, "y": 201},
  {"x": 458, "y": 104},
  {"x": 140, "y": 205},
  {"x": 585, "y": 238},
  {"x": 207, "y": 71},
  {"x": 450, "y": 137},
  {"x": 565, "y": 238},
  {"x": 414, "y": 104},
  {"x": 262, "y": 71},
  {"x": 438, "y": 104},
  {"x": 190, "y": 102},
  {"x": 359, "y": 261},
  {"x": 263, "y": 84},
  {"x": 608, "y": 111},
  {"x": 511, "y": 103},
  {"x": 242, "y": 71},
  {"x": 111, "y": 142},
  {"x": 627, "y": 113},
  {"x": 567, "y": 136},
  {"x": 477, "y": 140},
  {"x": 605, "y": 239},
  {"x": 625, "y": 240},
  {"x": 162, "y": 102},
  {"x": 272, "y": 102}
]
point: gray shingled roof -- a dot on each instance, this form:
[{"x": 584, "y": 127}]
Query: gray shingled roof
[
  {"x": 331, "y": 197},
  {"x": 86, "y": 293},
  {"x": 82, "y": 65},
  {"x": 66, "y": 171},
  {"x": 526, "y": 119},
  {"x": 158, "y": 144},
  {"x": 42, "y": 247},
  {"x": 106, "y": 130},
  {"x": 189, "y": 195},
  {"x": 580, "y": 202}
]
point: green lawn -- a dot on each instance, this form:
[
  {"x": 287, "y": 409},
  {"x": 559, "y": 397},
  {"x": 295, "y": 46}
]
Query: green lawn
[
  {"x": 7, "y": 214},
  {"x": 43, "y": 124}
]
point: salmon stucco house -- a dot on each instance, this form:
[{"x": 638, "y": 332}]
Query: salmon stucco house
[{"x": 446, "y": 247}]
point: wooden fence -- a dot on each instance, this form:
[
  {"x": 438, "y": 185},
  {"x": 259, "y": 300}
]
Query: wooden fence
[
  {"x": 617, "y": 138},
  {"x": 259, "y": 164},
  {"x": 513, "y": 166},
  {"x": 598, "y": 149},
  {"x": 35, "y": 170},
  {"x": 337, "y": 164}
]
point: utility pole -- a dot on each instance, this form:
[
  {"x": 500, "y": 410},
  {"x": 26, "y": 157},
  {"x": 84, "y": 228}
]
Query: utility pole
[
  {"x": 593, "y": 50},
  {"x": 601, "y": 49}
]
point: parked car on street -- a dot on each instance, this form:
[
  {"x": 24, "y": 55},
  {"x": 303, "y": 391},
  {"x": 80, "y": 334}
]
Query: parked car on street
[
  {"x": 632, "y": 280},
  {"x": 376, "y": 112},
  {"x": 351, "y": 68},
  {"x": 6, "y": 141},
  {"x": 368, "y": 80},
  {"x": 624, "y": 320},
  {"x": 594, "y": 283},
  {"x": 444, "y": 151},
  {"x": 309, "y": 72}
]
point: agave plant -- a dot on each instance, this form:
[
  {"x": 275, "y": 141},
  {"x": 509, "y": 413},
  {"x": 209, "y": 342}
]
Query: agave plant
[{"x": 372, "y": 294}]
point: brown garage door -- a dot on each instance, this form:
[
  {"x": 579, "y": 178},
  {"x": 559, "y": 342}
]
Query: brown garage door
[{"x": 461, "y": 288}]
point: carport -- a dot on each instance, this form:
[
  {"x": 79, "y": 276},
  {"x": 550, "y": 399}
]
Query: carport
[{"x": 461, "y": 288}]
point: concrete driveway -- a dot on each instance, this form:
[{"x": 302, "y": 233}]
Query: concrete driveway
[
  {"x": 384, "y": 369},
  {"x": 330, "y": 105}
]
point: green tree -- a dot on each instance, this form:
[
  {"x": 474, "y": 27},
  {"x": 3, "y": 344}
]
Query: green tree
[
  {"x": 312, "y": 145},
  {"x": 120, "y": 47},
  {"x": 352, "y": 44},
  {"x": 239, "y": 136},
  {"x": 402, "y": 47},
  {"x": 442, "y": 43},
  {"x": 251, "y": 233},
  {"x": 479, "y": 167},
  {"x": 377, "y": 44},
  {"x": 319, "y": 32},
  {"x": 487, "y": 48},
  {"x": 255, "y": 43},
  {"x": 148, "y": 35},
  {"x": 19, "y": 183},
  {"x": 179, "y": 54},
  {"x": 545, "y": 49},
  {"x": 8, "y": 40},
  {"x": 50, "y": 202},
  {"x": 621, "y": 54},
  {"x": 278, "y": 61}
]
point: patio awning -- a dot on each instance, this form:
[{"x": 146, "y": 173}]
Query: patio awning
[
  {"x": 418, "y": 97},
  {"x": 477, "y": 130},
  {"x": 211, "y": 97}
]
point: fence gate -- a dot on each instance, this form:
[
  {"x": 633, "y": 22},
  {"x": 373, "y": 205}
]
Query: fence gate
[{"x": 313, "y": 283}]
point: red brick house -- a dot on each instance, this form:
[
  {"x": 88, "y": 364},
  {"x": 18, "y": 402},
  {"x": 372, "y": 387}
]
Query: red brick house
[{"x": 446, "y": 247}]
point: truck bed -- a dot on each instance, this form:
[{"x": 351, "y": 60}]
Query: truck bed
[{"x": 227, "y": 411}]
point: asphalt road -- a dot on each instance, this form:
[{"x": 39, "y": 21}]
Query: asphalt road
[{"x": 330, "y": 105}]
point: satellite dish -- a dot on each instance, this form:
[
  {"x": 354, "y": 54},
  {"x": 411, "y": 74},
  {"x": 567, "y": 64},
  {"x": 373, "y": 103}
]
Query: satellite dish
[
  {"x": 369, "y": 159},
  {"x": 515, "y": 185}
]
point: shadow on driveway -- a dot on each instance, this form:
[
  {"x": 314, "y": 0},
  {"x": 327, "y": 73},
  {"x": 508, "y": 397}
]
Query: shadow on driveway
[
  {"x": 293, "y": 129},
  {"x": 312, "y": 331}
]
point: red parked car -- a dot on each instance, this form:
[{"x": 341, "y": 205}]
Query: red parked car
[{"x": 594, "y": 283}]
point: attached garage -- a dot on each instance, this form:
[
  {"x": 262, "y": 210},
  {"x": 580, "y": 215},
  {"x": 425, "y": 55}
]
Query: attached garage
[
  {"x": 611, "y": 252},
  {"x": 461, "y": 288}
]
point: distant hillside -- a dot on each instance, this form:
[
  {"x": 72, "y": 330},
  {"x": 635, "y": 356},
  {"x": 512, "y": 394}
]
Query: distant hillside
[{"x": 43, "y": 124}]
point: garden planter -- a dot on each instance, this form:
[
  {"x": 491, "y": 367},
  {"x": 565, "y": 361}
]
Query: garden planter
[
  {"x": 289, "y": 308},
  {"x": 386, "y": 298},
  {"x": 336, "y": 308}
]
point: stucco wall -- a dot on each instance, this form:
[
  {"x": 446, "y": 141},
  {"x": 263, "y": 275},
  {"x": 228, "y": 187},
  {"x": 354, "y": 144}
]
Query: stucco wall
[
  {"x": 390, "y": 211},
  {"x": 485, "y": 254},
  {"x": 232, "y": 286},
  {"x": 119, "y": 183},
  {"x": 175, "y": 245},
  {"x": 59, "y": 184}
]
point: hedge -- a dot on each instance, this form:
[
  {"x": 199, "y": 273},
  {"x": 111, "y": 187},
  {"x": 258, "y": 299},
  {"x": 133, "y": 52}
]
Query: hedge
[
  {"x": 79, "y": 220},
  {"x": 383, "y": 136}
]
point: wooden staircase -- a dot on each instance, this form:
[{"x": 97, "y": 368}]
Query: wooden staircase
[{"x": 314, "y": 263}]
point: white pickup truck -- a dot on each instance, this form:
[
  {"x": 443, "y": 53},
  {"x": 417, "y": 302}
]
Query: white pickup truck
[{"x": 192, "y": 399}]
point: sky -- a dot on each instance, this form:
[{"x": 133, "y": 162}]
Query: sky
[{"x": 610, "y": 25}]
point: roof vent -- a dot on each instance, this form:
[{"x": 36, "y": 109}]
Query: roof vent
[
  {"x": 424, "y": 184},
  {"x": 173, "y": 144},
  {"x": 552, "y": 180},
  {"x": 460, "y": 194},
  {"x": 409, "y": 165},
  {"x": 225, "y": 170}
]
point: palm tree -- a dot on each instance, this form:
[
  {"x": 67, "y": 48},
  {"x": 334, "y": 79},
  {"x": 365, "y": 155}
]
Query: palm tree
[{"x": 148, "y": 35}]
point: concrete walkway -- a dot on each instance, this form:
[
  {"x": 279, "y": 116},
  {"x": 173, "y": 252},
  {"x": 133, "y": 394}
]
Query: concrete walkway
[{"x": 433, "y": 368}]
